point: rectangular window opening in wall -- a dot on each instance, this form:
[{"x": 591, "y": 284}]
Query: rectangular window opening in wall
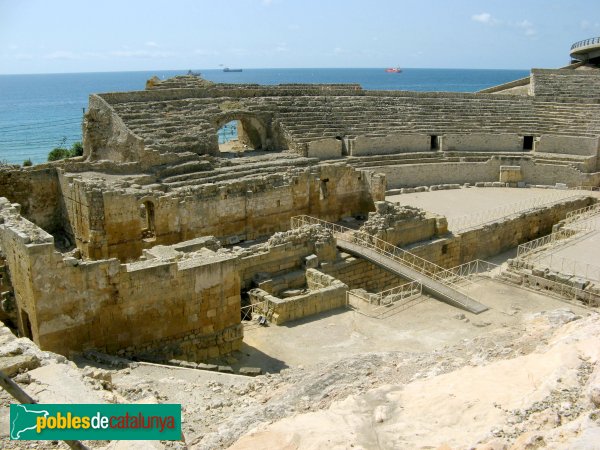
[
  {"x": 527, "y": 142},
  {"x": 323, "y": 191},
  {"x": 26, "y": 323},
  {"x": 444, "y": 249},
  {"x": 434, "y": 142}
]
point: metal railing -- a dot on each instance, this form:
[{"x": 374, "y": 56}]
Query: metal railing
[
  {"x": 590, "y": 41},
  {"x": 377, "y": 305},
  {"x": 582, "y": 213},
  {"x": 551, "y": 240},
  {"x": 568, "y": 266},
  {"x": 251, "y": 313},
  {"x": 470, "y": 221},
  {"x": 475, "y": 267},
  {"x": 387, "y": 250}
]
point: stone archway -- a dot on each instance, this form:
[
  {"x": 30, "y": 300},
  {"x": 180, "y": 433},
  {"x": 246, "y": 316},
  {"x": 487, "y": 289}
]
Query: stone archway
[{"x": 252, "y": 130}]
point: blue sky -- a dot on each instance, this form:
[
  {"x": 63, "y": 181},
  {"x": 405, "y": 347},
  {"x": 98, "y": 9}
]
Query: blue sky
[{"x": 38, "y": 36}]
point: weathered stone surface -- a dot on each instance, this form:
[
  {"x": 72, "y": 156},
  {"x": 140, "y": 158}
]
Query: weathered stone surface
[
  {"x": 11, "y": 365},
  {"x": 250, "y": 371},
  {"x": 225, "y": 369}
]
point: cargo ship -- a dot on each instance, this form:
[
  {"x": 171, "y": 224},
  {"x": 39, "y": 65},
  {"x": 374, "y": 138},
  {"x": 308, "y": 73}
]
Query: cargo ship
[
  {"x": 227, "y": 69},
  {"x": 393, "y": 70}
]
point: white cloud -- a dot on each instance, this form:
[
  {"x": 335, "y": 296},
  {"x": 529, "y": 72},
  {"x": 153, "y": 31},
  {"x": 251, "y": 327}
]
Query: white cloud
[
  {"x": 61, "y": 54},
  {"x": 487, "y": 19},
  {"x": 23, "y": 56},
  {"x": 527, "y": 26},
  {"x": 151, "y": 44},
  {"x": 267, "y": 2},
  {"x": 483, "y": 17}
]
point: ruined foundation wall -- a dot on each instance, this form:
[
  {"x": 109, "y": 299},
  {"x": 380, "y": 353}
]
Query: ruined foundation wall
[
  {"x": 243, "y": 210},
  {"x": 496, "y": 237},
  {"x": 360, "y": 273},
  {"x": 38, "y": 193},
  {"x": 188, "y": 309},
  {"x": 326, "y": 293}
]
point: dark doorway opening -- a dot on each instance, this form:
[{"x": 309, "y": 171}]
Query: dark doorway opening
[
  {"x": 26, "y": 325},
  {"x": 246, "y": 310},
  {"x": 434, "y": 143},
  {"x": 527, "y": 142},
  {"x": 148, "y": 227}
]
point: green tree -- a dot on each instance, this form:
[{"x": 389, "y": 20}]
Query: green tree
[
  {"x": 58, "y": 153},
  {"x": 27, "y": 162},
  {"x": 77, "y": 149},
  {"x": 62, "y": 152}
]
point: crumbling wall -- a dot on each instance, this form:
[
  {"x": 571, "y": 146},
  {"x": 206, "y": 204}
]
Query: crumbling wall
[
  {"x": 359, "y": 273},
  {"x": 402, "y": 225},
  {"x": 285, "y": 252},
  {"x": 188, "y": 309},
  {"x": 38, "y": 193},
  {"x": 498, "y": 236},
  {"x": 107, "y": 221},
  {"x": 326, "y": 293}
]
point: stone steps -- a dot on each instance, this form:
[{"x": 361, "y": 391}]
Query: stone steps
[{"x": 237, "y": 171}]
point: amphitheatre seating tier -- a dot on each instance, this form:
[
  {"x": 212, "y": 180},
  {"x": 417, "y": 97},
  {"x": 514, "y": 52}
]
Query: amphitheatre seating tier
[
  {"x": 580, "y": 84},
  {"x": 241, "y": 168},
  {"x": 183, "y": 115}
]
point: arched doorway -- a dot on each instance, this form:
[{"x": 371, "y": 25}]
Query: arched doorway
[{"x": 240, "y": 132}]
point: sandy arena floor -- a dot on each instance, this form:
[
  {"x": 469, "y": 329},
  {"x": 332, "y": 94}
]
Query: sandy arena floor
[{"x": 423, "y": 325}]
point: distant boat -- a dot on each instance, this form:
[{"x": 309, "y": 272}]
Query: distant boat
[
  {"x": 393, "y": 70},
  {"x": 227, "y": 69},
  {"x": 195, "y": 74}
]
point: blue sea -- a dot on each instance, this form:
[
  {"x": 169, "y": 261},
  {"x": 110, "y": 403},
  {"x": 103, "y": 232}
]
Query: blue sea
[{"x": 40, "y": 112}]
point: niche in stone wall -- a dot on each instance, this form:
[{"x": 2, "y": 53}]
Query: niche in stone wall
[{"x": 147, "y": 215}]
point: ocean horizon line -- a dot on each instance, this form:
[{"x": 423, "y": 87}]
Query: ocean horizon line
[{"x": 259, "y": 68}]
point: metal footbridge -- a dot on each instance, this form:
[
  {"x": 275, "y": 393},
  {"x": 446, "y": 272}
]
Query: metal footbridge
[{"x": 443, "y": 284}]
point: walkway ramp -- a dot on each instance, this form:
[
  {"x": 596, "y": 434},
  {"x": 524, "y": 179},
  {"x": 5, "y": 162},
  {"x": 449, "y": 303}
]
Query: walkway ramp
[{"x": 441, "y": 283}]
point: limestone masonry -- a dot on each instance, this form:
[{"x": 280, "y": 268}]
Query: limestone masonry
[{"x": 159, "y": 243}]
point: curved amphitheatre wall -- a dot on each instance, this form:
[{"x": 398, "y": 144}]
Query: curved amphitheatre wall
[
  {"x": 552, "y": 134},
  {"x": 158, "y": 149}
]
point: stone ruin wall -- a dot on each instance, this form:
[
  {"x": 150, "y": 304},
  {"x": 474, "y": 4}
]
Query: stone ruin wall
[
  {"x": 141, "y": 307},
  {"x": 412, "y": 175},
  {"x": 496, "y": 237},
  {"x": 37, "y": 191},
  {"x": 107, "y": 222}
]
